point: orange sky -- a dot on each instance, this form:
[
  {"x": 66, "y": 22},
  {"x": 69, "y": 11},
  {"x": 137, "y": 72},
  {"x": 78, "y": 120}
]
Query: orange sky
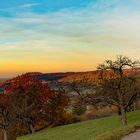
[{"x": 68, "y": 36}]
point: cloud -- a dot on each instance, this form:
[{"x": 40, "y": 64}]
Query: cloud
[
  {"x": 71, "y": 36},
  {"x": 19, "y": 9},
  {"x": 96, "y": 23},
  {"x": 30, "y": 5}
]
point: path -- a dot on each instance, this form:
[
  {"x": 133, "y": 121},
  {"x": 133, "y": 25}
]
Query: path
[{"x": 133, "y": 136}]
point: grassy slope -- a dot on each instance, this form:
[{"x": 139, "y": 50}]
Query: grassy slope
[{"x": 102, "y": 129}]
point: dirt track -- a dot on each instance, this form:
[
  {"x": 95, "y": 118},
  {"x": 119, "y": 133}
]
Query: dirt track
[{"x": 133, "y": 136}]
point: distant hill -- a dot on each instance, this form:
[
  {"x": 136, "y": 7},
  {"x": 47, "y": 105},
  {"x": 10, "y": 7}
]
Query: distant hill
[
  {"x": 3, "y": 79},
  {"x": 85, "y": 77},
  {"x": 91, "y": 76},
  {"x": 69, "y": 77}
]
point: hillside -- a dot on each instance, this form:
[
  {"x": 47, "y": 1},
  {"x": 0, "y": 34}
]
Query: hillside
[
  {"x": 102, "y": 129},
  {"x": 84, "y": 81},
  {"x": 86, "y": 77},
  {"x": 68, "y": 77}
]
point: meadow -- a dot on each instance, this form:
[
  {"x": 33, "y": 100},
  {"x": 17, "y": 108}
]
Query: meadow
[{"x": 108, "y": 128}]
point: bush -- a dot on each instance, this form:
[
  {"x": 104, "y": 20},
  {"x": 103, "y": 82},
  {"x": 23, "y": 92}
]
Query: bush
[
  {"x": 66, "y": 118},
  {"x": 79, "y": 110}
]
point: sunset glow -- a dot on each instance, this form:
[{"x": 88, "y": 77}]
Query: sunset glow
[{"x": 64, "y": 35}]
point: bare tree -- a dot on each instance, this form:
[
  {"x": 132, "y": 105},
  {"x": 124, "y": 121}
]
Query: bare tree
[{"x": 122, "y": 88}]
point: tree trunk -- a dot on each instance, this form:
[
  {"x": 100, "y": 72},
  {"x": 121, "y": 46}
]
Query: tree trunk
[
  {"x": 134, "y": 106},
  {"x": 123, "y": 116},
  {"x": 32, "y": 129},
  {"x": 5, "y": 137},
  {"x": 122, "y": 108},
  {"x": 119, "y": 111}
]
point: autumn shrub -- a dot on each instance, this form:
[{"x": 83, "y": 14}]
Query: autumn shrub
[
  {"x": 66, "y": 118},
  {"x": 98, "y": 112},
  {"x": 79, "y": 109}
]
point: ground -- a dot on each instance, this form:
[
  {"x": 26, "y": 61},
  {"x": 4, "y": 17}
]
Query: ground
[
  {"x": 102, "y": 129},
  {"x": 133, "y": 136}
]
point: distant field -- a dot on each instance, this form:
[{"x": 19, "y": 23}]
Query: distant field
[{"x": 103, "y": 129}]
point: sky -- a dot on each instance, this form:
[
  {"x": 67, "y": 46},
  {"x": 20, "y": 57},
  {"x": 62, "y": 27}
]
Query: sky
[{"x": 66, "y": 35}]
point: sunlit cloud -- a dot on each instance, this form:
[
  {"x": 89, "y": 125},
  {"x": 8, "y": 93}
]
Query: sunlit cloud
[{"x": 71, "y": 39}]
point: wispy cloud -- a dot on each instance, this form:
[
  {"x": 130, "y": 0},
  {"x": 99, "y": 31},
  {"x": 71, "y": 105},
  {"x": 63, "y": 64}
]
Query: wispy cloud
[
  {"x": 19, "y": 9},
  {"x": 86, "y": 34},
  {"x": 30, "y": 5}
]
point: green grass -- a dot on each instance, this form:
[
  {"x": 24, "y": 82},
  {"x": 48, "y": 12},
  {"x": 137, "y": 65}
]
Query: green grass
[{"x": 102, "y": 129}]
